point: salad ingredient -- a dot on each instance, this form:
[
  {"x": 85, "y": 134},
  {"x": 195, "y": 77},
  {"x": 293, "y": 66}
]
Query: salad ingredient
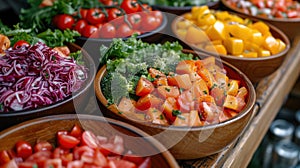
[
  {"x": 37, "y": 75},
  {"x": 224, "y": 33},
  {"x": 178, "y": 3},
  {"x": 108, "y": 152}
]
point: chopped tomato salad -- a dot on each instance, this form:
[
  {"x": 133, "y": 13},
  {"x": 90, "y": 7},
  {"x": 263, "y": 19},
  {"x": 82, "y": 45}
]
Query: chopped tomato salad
[
  {"x": 198, "y": 93},
  {"x": 75, "y": 149}
]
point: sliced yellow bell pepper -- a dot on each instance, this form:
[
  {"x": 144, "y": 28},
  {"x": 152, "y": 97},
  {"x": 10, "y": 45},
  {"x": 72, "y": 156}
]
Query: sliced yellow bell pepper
[
  {"x": 240, "y": 31},
  {"x": 263, "y": 53},
  {"x": 222, "y": 15},
  {"x": 199, "y": 11},
  {"x": 183, "y": 24},
  {"x": 181, "y": 33},
  {"x": 218, "y": 48},
  {"x": 257, "y": 37},
  {"x": 281, "y": 45},
  {"x": 234, "y": 46},
  {"x": 250, "y": 54},
  {"x": 233, "y": 87},
  {"x": 249, "y": 46},
  {"x": 231, "y": 102},
  {"x": 271, "y": 44}
]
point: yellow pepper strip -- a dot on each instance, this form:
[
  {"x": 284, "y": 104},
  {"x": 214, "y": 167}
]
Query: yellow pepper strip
[
  {"x": 250, "y": 54},
  {"x": 262, "y": 27},
  {"x": 206, "y": 19},
  {"x": 271, "y": 44},
  {"x": 234, "y": 46},
  {"x": 181, "y": 33},
  {"x": 199, "y": 11},
  {"x": 219, "y": 48},
  {"x": 263, "y": 53},
  {"x": 281, "y": 46},
  {"x": 240, "y": 31}
]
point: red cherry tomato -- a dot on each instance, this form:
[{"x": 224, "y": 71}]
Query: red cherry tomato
[
  {"x": 150, "y": 23},
  {"x": 95, "y": 16},
  {"x": 108, "y": 30},
  {"x": 145, "y": 7},
  {"x": 83, "y": 13},
  {"x": 79, "y": 25},
  {"x": 89, "y": 31},
  {"x": 23, "y": 149},
  {"x": 124, "y": 30},
  {"x": 42, "y": 146},
  {"x": 67, "y": 141},
  {"x": 113, "y": 13},
  {"x": 108, "y": 2},
  {"x": 135, "y": 20},
  {"x": 130, "y": 6},
  {"x": 21, "y": 43},
  {"x": 157, "y": 14},
  {"x": 64, "y": 21}
]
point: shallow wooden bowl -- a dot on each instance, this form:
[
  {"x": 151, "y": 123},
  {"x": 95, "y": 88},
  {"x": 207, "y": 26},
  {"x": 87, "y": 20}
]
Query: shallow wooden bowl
[
  {"x": 254, "y": 68},
  {"x": 289, "y": 26},
  {"x": 76, "y": 101},
  {"x": 190, "y": 142},
  {"x": 45, "y": 129}
]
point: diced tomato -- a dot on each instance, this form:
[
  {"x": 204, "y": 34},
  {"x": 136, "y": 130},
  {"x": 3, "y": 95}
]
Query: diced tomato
[
  {"x": 99, "y": 159},
  {"x": 78, "y": 151},
  {"x": 168, "y": 106},
  {"x": 206, "y": 76},
  {"x": 89, "y": 139},
  {"x": 154, "y": 73},
  {"x": 76, "y": 131},
  {"x": 292, "y": 13},
  {"x": 242, "y": 93},
  {"x": 121, "y": 164},
  {"x": 75, "y": 164},
  {"x": 199, "y": 88},
  {"x": 185, "y": 101},
  {"x": 67, "y": 141},
  {"x": 161, "y": 81},
  {"x": 183, "y": 81},
  {"x": 23, "y": 149},
  {"x": 147, "y": 101},
  {"x": 11, "y": 164},
  {"x": 218, "y": 94},
  {"x": 143, "y": 87},
  {"x": 182, "y": 120},
  {"x": 168, "y": 91},
  {"x": 4, "y": 157},
  {"x": 156, "y": 116},
  {"x": 126, "y": 104},
  {"x": 138, "y": 160},
  {"x": 209, "y": 112},
  {"x": 27, "y": 165},
  {"x": 55, "y": 163},
  {"x": 186, "y": 67},
  {"x": 42, "y": 145},
  {"x": 146, "y": 163},
  {"x": 194, "y": 77}
]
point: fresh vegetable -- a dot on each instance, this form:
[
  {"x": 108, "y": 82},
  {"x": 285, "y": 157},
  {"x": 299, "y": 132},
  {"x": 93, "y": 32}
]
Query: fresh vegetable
[
  {"x": 280, "y": 9},
  {"x": 36, "y": 75},
  {"x": 74, "y": 151},
  {"x": 173, "y": 89},
  {"x": 125, "y": 17},
  {"x": 224, "y": 33}
]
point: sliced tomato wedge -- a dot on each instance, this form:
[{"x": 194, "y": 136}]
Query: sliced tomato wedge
[
  {"x": 90, "y": 139},
  {"x": 67, "y": 141}
]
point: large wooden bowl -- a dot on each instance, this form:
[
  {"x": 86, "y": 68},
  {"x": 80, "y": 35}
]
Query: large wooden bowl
[
  {"x": 77, "y": 101},
  {"x": 289, "y": 26},
  {"x": 45, "y": 129},
  {"x": 191, "y": 142},
  {"x": 254, "y": 68}
]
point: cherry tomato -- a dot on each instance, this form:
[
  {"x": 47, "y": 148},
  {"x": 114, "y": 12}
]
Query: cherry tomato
[
  {"x": 21, "y": 43},
  {"x": 64, "y": 21},
  {"x": 95, "y": 15},
  {"x": 108, "y": 2},
  {"x": 42, "y": 146},
  {"x": 89, "y": 139},
  {"x": 67, "y": 141},
  {"x": 149, "y": 23},
  {"x": 157, "y": 14},
  {"x": 108, "y": 30},
  {"x": 124, "y": 30},
  {"x": 130, "y": 6},
  {"x": 79, "y": 25},
  {"x": 83, "y": 13},
  {"x": 143, "y": 87},
  {"x": 145, "y": 8},
  {"x": 89, "y": 31},
  {"x": 23, "y": 149},
  {"x": 135, "y": 20},
  {"x": 113, "y": 13}
]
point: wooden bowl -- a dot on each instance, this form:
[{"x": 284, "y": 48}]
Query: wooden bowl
[
  {"x": 45, "y": 128},
  {"x": 79, "y": 98},
  {"x": 254, "y": 68},
  {"x": 289, "y": 26},
  {"x": 190, "y": 142},
  {"x": 183, "y": 9}
]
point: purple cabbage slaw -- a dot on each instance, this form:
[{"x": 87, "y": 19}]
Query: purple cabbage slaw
[{"x": 36, "y": 76}]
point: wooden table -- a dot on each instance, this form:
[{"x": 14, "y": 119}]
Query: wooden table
[{"x": 271, "y": 93}]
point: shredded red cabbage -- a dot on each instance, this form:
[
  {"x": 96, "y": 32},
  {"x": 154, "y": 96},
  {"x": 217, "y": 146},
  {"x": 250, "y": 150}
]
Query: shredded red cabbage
[{"x": 35, "y": 76}]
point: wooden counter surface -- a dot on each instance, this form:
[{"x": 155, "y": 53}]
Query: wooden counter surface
[{"x": 271, "y": 93}]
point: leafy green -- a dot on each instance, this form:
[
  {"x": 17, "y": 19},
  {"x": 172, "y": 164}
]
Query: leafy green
[{"x": 131, "y": 59}]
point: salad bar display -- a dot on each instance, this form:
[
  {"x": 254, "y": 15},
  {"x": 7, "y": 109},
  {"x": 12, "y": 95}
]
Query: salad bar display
[{"x": 154, "y": 84}]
